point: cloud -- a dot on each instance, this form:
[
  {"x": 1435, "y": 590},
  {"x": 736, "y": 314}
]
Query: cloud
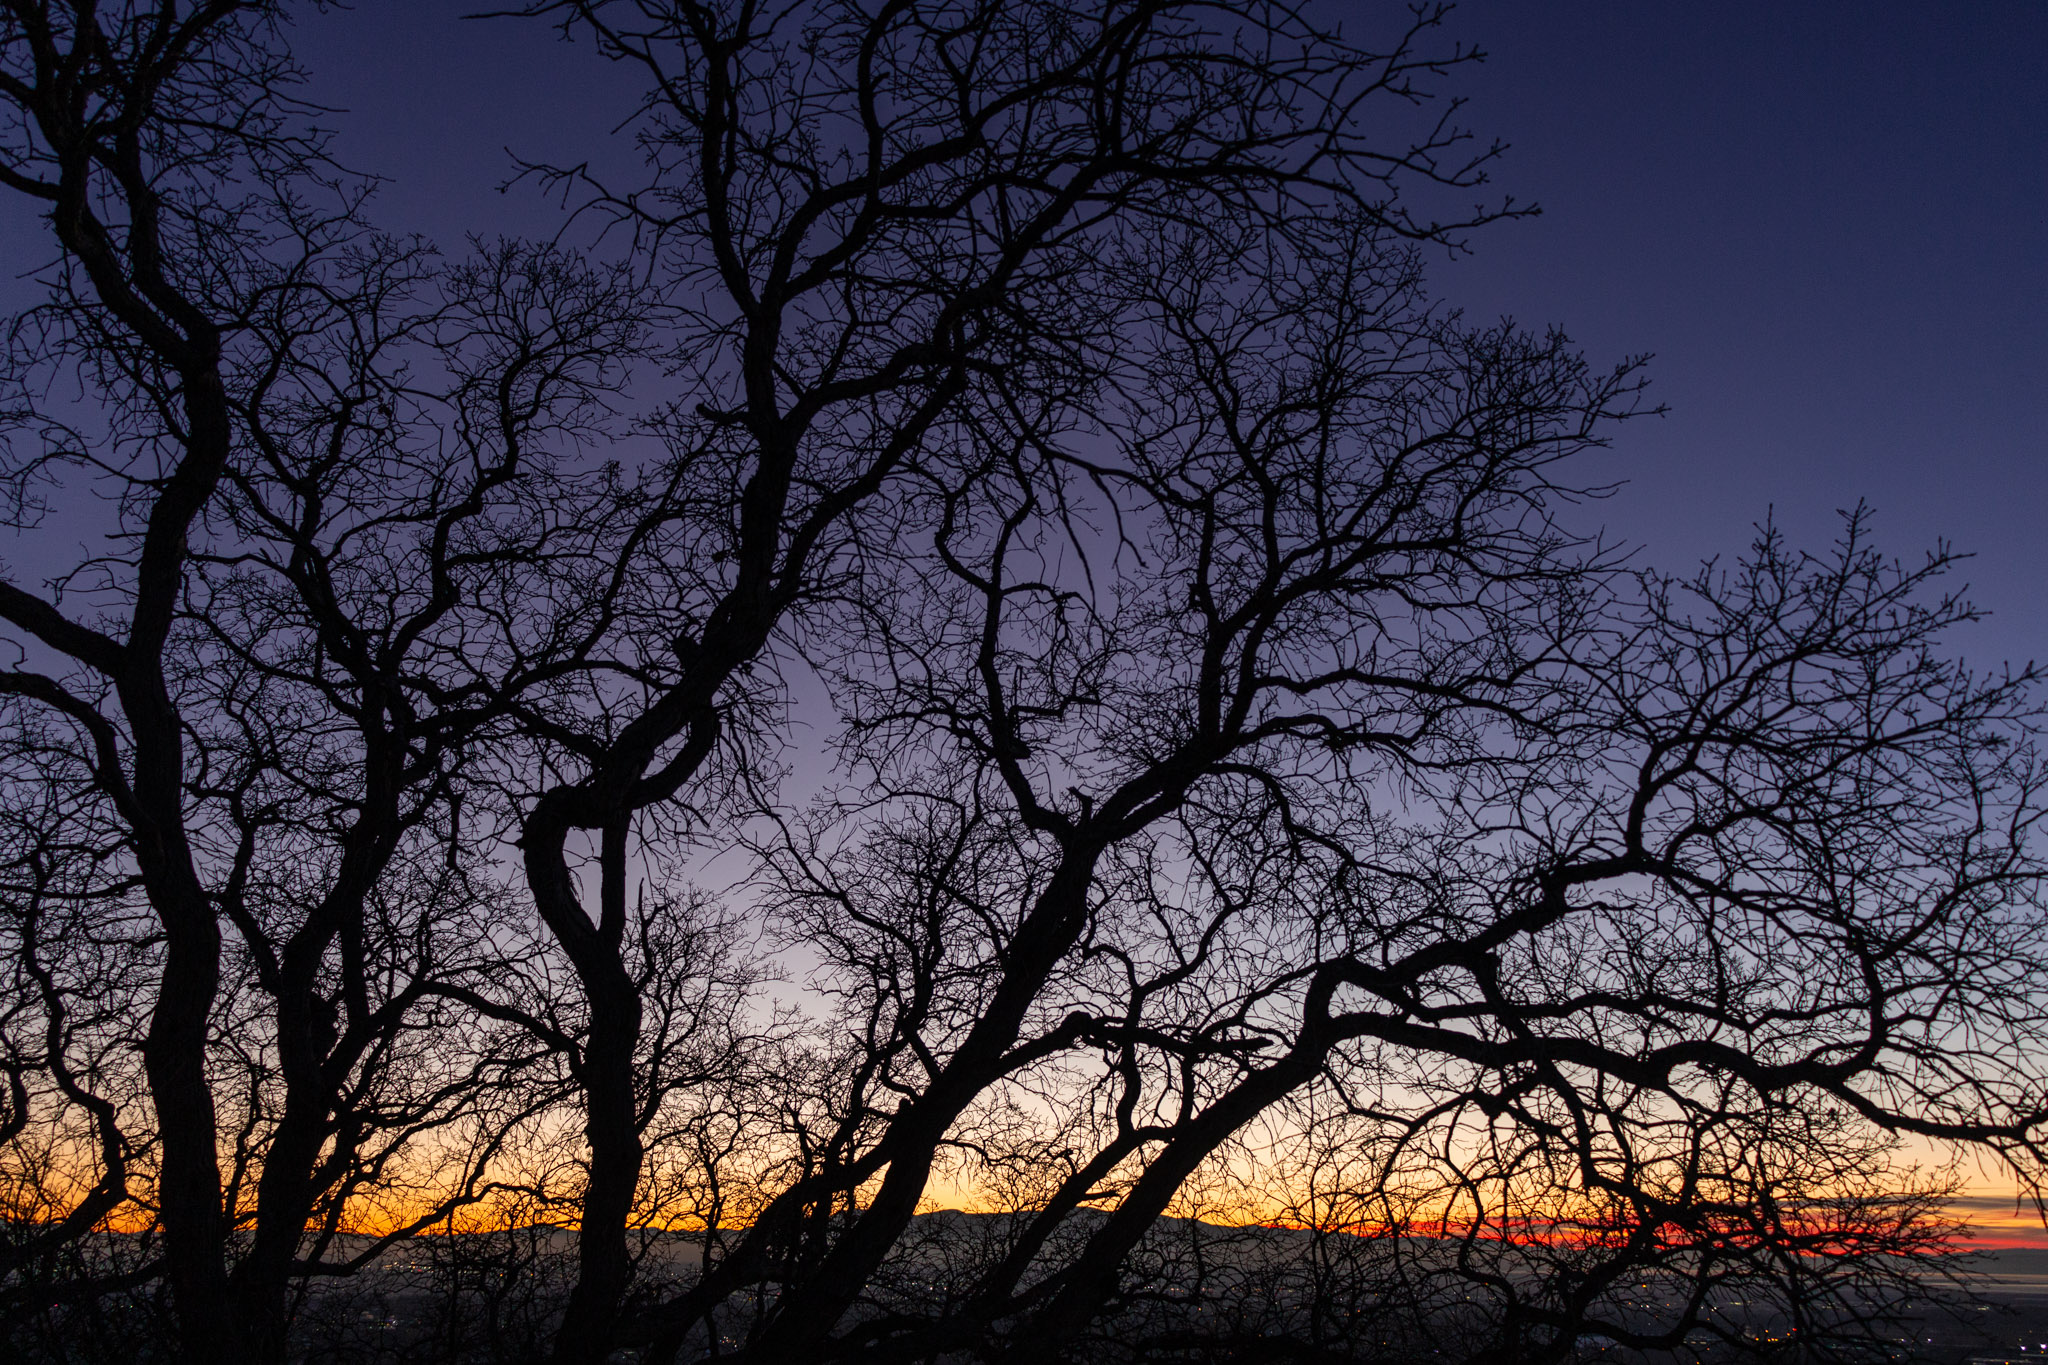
[{"x": 2010, "y": 1205}]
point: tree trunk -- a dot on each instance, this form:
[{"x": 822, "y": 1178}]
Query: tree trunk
[
  {"x": 605, "y": 1072},
  {"x": 804, "y": 1319},
  {"x": 174, "y": 1049},
  {"x": 284, "y": 1194},
  {"x": 612, "y": 1129},
  {"x": 189, "y": 1192}
]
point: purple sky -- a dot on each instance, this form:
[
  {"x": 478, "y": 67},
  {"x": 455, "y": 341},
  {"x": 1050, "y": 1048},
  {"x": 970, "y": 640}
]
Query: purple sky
[
  {"x": 1826, "y": 219},
  {"x": 1828, "y": 222}
]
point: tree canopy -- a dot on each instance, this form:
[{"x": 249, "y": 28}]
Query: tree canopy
[{"x": 972, "y": 636}]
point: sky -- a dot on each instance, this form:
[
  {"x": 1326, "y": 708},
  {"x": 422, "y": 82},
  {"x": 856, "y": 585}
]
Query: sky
[{"x": 1827, "y": 221}]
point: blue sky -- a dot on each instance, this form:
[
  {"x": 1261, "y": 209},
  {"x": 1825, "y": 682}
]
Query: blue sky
[{"x": 1828, "y": 221}]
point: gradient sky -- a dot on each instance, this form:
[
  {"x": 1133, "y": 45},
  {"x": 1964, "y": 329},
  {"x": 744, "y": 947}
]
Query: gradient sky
[{"x": 1826, "y": 219}]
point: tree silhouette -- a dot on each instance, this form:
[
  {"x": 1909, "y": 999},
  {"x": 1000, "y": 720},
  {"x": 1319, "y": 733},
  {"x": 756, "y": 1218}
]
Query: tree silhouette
[{"x": 1226, "y": 761}]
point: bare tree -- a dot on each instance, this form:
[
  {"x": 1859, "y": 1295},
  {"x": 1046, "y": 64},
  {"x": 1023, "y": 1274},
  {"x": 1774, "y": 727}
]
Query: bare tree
[
  {"x": 874, "y": 225},
  {"x": 406, "y": 505},
  {"x": 322, "y": 458},
  {"x": 1282, "y": 733},
  {"x": 130, "y": 129},
  {"x": 78, "y": 1138},
  {"x": 1240, "y": 747}
]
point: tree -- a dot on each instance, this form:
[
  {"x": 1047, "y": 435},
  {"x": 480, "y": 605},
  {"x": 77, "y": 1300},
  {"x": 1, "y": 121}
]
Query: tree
[
  {"x": 1240, "y": 750},
  {"x": 1314, "y": 753},
  {"x": 127, "y": 135},
  {"x": 882, "y": 229},
  {"x": 313, "y": 445}
]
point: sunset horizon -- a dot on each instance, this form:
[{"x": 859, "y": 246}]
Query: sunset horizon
[{"x": 1023, "y": 682}]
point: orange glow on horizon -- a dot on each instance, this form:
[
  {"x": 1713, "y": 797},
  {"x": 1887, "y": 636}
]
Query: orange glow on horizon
[{"x": 1986, "y": 1220}]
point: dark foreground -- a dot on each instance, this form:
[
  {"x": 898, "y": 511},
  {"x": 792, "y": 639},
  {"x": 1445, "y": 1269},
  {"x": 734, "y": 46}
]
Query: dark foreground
[{"x": 1202, "y": 1295}]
